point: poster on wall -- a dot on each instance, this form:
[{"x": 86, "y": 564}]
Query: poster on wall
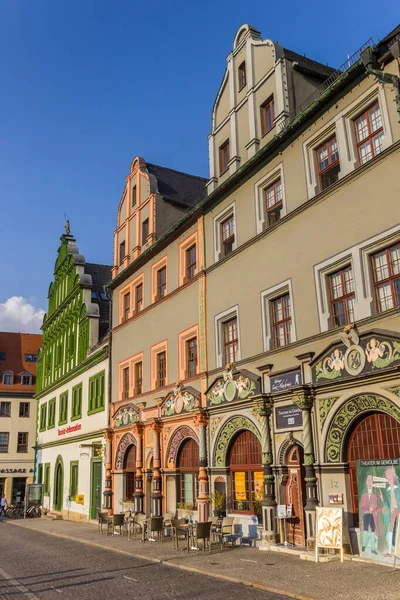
[
  {"x": 258, "y": 486},
  {"x": 329, "y": 529},
  {"x": 378, "y": 483},
  {"x": 240, "y": 486}
]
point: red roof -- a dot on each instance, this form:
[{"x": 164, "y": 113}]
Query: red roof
[{"x": 16, "y": 346}]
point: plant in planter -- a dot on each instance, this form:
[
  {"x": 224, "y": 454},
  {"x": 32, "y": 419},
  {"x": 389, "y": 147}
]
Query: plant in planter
[
  {"x": 218, "y": 501},
  {"x": 127, "y": 504},
  {"x": 187, "y": 510}
]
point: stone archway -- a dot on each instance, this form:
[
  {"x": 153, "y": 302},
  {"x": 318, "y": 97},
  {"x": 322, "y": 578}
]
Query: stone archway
[
  {"x": 127, "y": 440},
  {"x": 177, "y": 438},
  {"x": 228, "y": 430},
  {"x": 344, "y": 418}
]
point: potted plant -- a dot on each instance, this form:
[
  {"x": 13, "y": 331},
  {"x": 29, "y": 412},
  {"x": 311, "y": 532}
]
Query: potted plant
[
  {"x": 126, "y": 504},
  {"x": 217, "y": 500},
  {"x": 187, "y": 510}
]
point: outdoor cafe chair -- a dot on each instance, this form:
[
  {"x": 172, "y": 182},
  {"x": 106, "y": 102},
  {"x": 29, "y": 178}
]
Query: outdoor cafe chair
[
  {"x": 179, "y": 531},
  {"x": 138, "y": 524},
  {"x": 102, "y": 520},
  {"x": 214, "y": 526},
  {"x": 116, "y": 521},
  {"x": 168, "y": 516},
  {"x": 155, "y": 526},
  {"x": 203, "y": 532},
  {"x": 226, "y": 532}
]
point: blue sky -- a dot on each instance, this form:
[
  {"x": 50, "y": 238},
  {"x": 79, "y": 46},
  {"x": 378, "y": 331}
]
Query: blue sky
[{"x": 86, "y": 85}]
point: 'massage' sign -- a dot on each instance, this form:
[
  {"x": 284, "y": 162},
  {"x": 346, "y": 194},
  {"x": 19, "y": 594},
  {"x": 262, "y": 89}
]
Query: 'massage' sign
[{"x": 280, "y": 383}]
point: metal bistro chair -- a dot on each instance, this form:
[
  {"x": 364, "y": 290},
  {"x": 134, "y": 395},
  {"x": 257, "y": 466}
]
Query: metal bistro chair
[
  {"x": 102, "y": 520},
  {"x": 214, "y": 526},
  {"x": 138, "y": 524},
  {"x": 226, "y": 532},
  {"x": 203, "y": 532},
  {"x": 116, "y": 521},
  {"x": 179, "y": 531},
  {"x": 156, "y": 526},
  {"x": 168, "y": 516}
]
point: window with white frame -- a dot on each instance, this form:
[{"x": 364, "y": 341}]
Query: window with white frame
[
  {"x": 328, "y": 165},
  {"x": 386, "y": 276},
  {"x": 225, "y": 235},
  {"x": 342, "y": 296},
  {"x": 270, "y": 198},
  {"x": 369, "y": 133},
  {"x": 278, "y": 316},
  {"x": 227, "y": 337}
]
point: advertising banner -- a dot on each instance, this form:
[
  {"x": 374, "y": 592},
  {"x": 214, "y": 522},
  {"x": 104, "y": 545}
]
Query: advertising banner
[
  {"x": 240, "y": 486},
  {"x": 329, "y": 529},
  {"x": 378, "y": 506}
]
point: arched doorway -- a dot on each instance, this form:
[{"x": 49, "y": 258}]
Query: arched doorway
[
  {"x": 58, "y": 484},
  {"x": 375, "y": 436},
  {"x": 246, "y": 473},
  {"x": 130, "y": 470},
  {"x": 295, "y": 494},
  {"x": 188, "y": 464}
]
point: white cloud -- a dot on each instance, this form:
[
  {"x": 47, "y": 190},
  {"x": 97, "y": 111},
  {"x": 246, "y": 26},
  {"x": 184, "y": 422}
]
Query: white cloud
[{"x": 18, "y": 314}]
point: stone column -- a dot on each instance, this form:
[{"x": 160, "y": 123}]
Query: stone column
[
  {"x": 108, "y": 434},
  {"x": 303, "y": 397},
  {"x": 201, "y": 420},
  {"x": 264, "y": 410},
  {"x": 138, "y": 494},
  {"x": 156, "y": 496}
]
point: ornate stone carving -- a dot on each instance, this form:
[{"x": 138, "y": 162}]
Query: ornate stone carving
[
  {"x": 214, "y": 425},
  {"x": 394, "y": 390},
  {"x": 127, "y": 440},
  {"x": 325, "y": 405},
  {"x": 180, "y": 434},
  {"x": 238, "y": 385},
  {"x": 346, "y": 414},
  {"x": 225, "y": 436},
  {"x": 303, "y": 398},
  {"x": 181, "y": 400},
  {"x": 126, "y": 415}
]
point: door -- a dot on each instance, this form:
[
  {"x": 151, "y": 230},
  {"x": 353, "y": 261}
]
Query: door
[
  {"x": 58, "y": 488},
  {"x": 96, "y": 499},
  {"x": 375, "y": 436},
  {"x": 295, "y": 496}
]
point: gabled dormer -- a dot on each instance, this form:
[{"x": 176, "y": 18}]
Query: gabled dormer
[
  {"x": 8, "y": 377},
  {"x": 262, "y": 88}
]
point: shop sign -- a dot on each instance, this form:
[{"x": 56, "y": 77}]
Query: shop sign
[
  {"x": 378, "y": 484},
  {"x": 69, "y": 429},
  {"x": 281, "y": 383},
  {"x": 370, "y": 353},
  {"x": 15, "y": 470},
  {"x": 287, "y": 417}
]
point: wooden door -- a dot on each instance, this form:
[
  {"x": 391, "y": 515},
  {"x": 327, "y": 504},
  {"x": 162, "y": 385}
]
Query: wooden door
[
  {"x": 295, "y": 496},
  {"x": 375, "y": 436},
  {"x": 96, "y": 496}
]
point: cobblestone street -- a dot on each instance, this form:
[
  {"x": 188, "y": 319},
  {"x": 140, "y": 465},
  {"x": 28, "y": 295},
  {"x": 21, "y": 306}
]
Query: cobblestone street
[{"x": 282, "y": 573}]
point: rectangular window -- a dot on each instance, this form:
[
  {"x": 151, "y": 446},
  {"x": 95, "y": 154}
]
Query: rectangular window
[
  {"x": 341, "y": 286},
  {"x": 369, "y": 133},
  {"x": 26, "y": 380},
  {"x": 161, "y": 369},
  {"x": 73, "y": 479},
  {"x": 273, "y": 202},
  {"x": 161, "y": 283},
  {"x": 4, "y": 442},
  {"x": 227, "y": 235},
  {"x": 242, "y": 75},
  {"x": 121, "y": 252},
  {"x": 43, "y": 417},
  {"x": 189, "y": 488},
  {"x": 328, "y": 163},
  {"x": 125, "y": 383},
  {"x": 386, "y": 272},
  {"x": 8, "y": 379},
  {"x": 191, "y": 263},
  {"x": 139, "y": 297},
  {"x": 24, "y": 409},
  {"x": 31, "y": 357},
  {"x": 231, "y": 340},
  {"x": 134, "y": 196},
  {"x": 63, "y": 411},
  {"x": 224, "y": 157},
  {"x": 2, "y": 356},
  {"x": 76, "y": 402},
  {"x": 96, "y": 393},
  {"x": 145, "y": 230},
  {"x": 22, "y": 443},
  {"x": 52, "y": 414},
  {"x": 5, "y": 409},
  {"x": 281, "y": 320},
  {"x": 267, "y": 116},
  {"x": 138, "y": 374},
  {"x": 47, "y": 478},
  {"x": 191, "y": 357},
  {"x": 127, "y": 305}
]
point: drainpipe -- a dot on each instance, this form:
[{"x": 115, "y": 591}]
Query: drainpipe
[{"x": 108, "y": 432}]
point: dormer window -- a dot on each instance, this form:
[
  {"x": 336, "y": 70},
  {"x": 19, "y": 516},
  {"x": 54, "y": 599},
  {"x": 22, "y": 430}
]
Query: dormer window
[
  {"x": 26, "y": 379},
  {"x": 8, "y": 378},
  {"x": 2, "y": 356},
  {"x": 242, "y": 75},
  {"x": 31, "y": 357}
]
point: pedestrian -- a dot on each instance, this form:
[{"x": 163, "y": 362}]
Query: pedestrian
[{"x": 3, "y": 504}]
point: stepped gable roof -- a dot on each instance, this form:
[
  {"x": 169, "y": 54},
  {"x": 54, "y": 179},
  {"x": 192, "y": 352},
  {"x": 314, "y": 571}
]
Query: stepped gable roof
[
  {"x": 176, "y": 186},
  {"x": 308, "y": 65},
  {"x": 16, "y": 346},
  {"x": 101, "y": 275}
]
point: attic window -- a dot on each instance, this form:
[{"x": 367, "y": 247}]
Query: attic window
[
  {"x": 2, "y": 356},
  {"x": 242, "y": 75},
  {"x": 28, "y": 357},
  {"x": 26, "y": 380},
  {"x": 8, "y": 378}
]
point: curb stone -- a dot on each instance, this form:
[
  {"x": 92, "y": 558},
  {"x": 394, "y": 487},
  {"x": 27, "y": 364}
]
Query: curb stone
[{"x": 170, "y": 563}]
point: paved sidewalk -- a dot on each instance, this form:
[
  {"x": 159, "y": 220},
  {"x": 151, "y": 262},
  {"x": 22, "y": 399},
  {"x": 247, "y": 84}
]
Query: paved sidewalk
[{"x": 273, "y": 571}]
